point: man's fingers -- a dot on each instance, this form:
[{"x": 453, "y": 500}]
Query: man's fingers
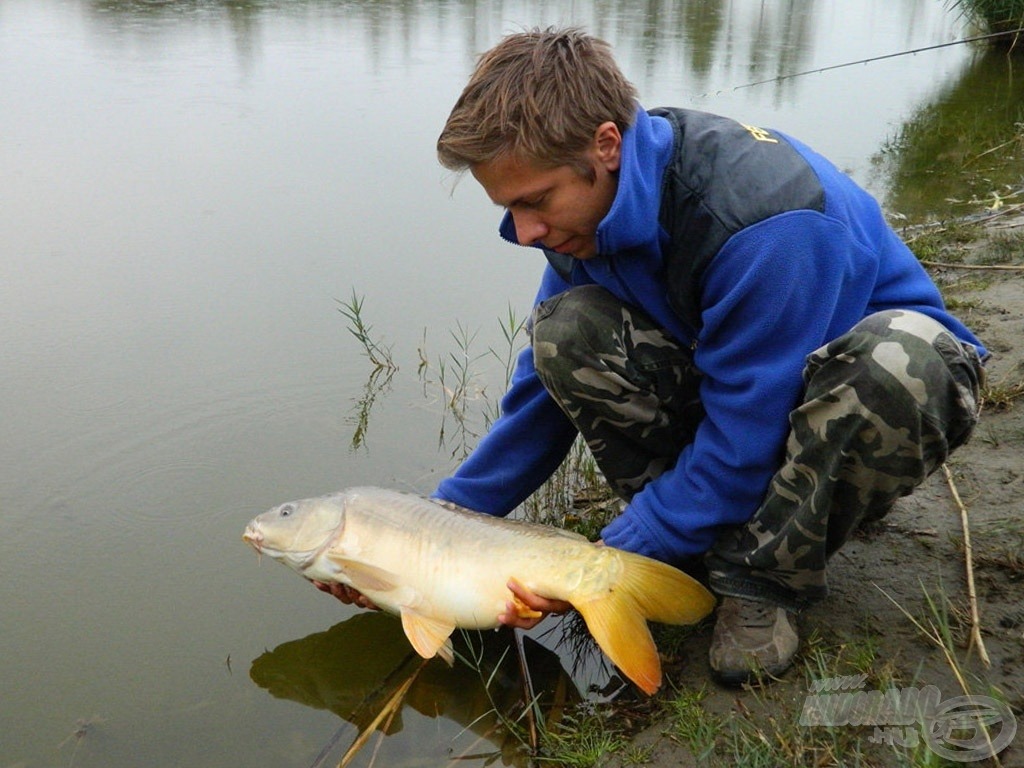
[
  {"x": 346, "y": 594},
  {"x": 534, "y": 601},
  {"x": 526, "y": 610},
  {"x": 323, "y": 586},
  {"x": 512, "y": 617}
]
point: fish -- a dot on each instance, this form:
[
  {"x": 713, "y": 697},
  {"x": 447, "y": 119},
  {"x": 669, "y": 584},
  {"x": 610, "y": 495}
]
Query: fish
[{"x": 439, "y": 567}]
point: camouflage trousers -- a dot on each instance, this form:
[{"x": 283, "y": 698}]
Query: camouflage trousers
[{"x": 882, "y": 408}]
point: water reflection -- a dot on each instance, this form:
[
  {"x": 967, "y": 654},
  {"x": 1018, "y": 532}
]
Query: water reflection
[
  {"x": 964, "y": 146},
  {"x": 698, "y": 37},
  {"x": 356, "y": 666},
  {"x": 679, "y": 52}
]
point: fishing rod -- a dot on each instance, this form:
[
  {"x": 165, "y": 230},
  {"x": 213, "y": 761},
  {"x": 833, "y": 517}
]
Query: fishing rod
[{"x": 779, "y": 78}]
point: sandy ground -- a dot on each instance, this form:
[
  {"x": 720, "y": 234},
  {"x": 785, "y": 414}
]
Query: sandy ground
[{"x": 917, "y": 549}]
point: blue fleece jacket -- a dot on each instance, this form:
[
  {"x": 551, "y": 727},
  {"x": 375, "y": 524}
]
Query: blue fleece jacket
[{"x": 776, "y": 291}]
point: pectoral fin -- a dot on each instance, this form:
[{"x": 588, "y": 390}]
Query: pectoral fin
[
  {"x": 430, "y": 637},
  {"x": 364, "y": 577}
]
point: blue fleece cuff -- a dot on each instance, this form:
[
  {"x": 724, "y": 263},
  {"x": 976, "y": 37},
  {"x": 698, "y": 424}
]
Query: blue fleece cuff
[{"x": 622, "y": 533}]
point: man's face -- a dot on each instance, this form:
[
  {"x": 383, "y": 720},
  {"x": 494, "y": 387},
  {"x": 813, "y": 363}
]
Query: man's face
[{"x": 557, "y": 207}]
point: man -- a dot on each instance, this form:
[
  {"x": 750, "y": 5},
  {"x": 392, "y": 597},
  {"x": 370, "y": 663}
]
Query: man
[{"x": 756, "y": 361}]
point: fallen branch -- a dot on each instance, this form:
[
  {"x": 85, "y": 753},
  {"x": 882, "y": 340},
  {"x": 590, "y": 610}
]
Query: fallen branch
[
  {"x": 969, "y": 220},
  {"x": 997, "y": 267},
  {"x": 972, "y": 595}
]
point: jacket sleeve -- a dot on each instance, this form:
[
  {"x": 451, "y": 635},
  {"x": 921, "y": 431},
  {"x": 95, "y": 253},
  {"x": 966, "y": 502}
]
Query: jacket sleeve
[
  {"x": 776, "y": 292},
  {"x": 523, "y": 447}
]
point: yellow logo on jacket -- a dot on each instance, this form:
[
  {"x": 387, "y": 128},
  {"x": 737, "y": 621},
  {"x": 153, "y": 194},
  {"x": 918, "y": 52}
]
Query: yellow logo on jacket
[{"x": 760, "y": 134}]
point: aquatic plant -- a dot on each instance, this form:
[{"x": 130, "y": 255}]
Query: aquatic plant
[
  {"x": 996, "y": 16},
  {"x": 375, "y": 351}
]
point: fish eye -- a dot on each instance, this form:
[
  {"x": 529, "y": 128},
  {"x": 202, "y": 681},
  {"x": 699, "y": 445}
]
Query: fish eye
[{"x": 287, "y": 510}]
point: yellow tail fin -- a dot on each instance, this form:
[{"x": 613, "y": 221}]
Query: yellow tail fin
[
  {"x": 646, "y": 590},
  {"x": 664, "y": 594}
]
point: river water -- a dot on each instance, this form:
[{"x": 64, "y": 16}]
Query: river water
[{"x": 189, "y": 190}]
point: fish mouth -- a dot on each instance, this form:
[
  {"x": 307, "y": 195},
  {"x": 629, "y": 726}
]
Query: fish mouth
[{"x": 254, "y": 537}]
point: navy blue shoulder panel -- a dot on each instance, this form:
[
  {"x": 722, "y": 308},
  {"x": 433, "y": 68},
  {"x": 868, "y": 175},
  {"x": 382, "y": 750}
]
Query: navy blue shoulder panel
[
  {"x": 724, "y": 176},
  {"x": 562, "y": 263}
]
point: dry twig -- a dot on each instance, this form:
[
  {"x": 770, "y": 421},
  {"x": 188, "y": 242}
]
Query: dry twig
[
  {"x": 996, "y": 267},
  {"x": 386, "y": 713},
  {"x": 972, "y": 595}
]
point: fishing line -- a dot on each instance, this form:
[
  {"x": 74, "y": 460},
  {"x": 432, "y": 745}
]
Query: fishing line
[{"x": 910, "y": 52}]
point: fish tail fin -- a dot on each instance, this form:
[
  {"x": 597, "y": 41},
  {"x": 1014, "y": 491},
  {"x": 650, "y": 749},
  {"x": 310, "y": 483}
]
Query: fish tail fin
[
  {"x": 622, "y": 632},
  {"x": 645, "y": 590},
  {"x": 664, "y": 594}
]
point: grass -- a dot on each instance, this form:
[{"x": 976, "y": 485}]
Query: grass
[
  {"x": 459, "y": 389},
  {"x": 575, "y": 496},
  {"x": 378, "y": 355},
  {"x": 1001, "y": 395},
  {"x": 382, "y": 369},
  {"x": 691, "y": 724},
  {"x": 1001, "y": 545},
  {"x": 583, "y": 739},
  {"x": 943, "y": 243},
  {"x": 1003, "y": 248},
  {"x": 994, "y": 16}
]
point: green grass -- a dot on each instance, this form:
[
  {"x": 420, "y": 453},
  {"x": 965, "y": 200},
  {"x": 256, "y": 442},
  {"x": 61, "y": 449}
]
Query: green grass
[
  {"x": 583, "y": 739},
  {"x": 1003, "y": 248},
  {"x": 691, "y": 724},
  {"x": 993, "y": 15},
  {"x": 1001, "y": 394},
  {"x": 378, "y": 355},
  {"x": 943, "y": 243}
]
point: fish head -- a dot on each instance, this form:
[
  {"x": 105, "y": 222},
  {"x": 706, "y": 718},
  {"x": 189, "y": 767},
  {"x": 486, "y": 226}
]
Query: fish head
[{"x": 296, "y": 532}]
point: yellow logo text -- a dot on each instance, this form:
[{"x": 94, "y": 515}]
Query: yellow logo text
[{"x": 760, "y": 134}]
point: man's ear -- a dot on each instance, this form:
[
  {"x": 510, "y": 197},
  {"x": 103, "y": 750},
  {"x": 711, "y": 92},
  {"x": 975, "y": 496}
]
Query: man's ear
[{"x": 608, "y": 146}]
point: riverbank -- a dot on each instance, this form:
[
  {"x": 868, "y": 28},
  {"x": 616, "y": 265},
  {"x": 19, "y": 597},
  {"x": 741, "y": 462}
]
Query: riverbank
[{"x": 898, "y": 619}]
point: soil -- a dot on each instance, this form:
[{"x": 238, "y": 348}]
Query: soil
[{"x": 915, "y": 554}]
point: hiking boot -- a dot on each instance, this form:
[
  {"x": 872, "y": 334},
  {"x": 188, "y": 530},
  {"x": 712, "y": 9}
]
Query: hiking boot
[{"x": 752, "y": 639}]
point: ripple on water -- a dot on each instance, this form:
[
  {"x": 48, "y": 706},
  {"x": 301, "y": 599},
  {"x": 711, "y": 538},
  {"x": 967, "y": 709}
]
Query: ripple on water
[{"x": 142, "y": 463}]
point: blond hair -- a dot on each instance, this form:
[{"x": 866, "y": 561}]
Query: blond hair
[{"x": 540, "y": 95}]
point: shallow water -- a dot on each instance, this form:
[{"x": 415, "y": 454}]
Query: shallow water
[{"x": 189, "y": 190}]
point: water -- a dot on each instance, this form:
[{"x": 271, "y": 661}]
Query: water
[{"x": 189, "y": 189}]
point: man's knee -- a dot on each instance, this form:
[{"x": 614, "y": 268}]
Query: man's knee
[
  {"x": 562, "y": 317},
  {"x": 901, "y": 345},
  {"x": 896, "y": 322},
  {"x": 903, "y": 367},
  {"x": 566, "y": 330}
]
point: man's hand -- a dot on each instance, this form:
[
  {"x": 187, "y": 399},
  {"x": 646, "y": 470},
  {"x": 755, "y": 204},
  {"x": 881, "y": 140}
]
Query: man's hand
[
  {"x": 346, "y": 594},
  {"x": 526, "y": 610}
]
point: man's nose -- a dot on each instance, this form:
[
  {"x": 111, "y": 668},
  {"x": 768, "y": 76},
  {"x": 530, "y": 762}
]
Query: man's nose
[{"x": 529, "y": 227}]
